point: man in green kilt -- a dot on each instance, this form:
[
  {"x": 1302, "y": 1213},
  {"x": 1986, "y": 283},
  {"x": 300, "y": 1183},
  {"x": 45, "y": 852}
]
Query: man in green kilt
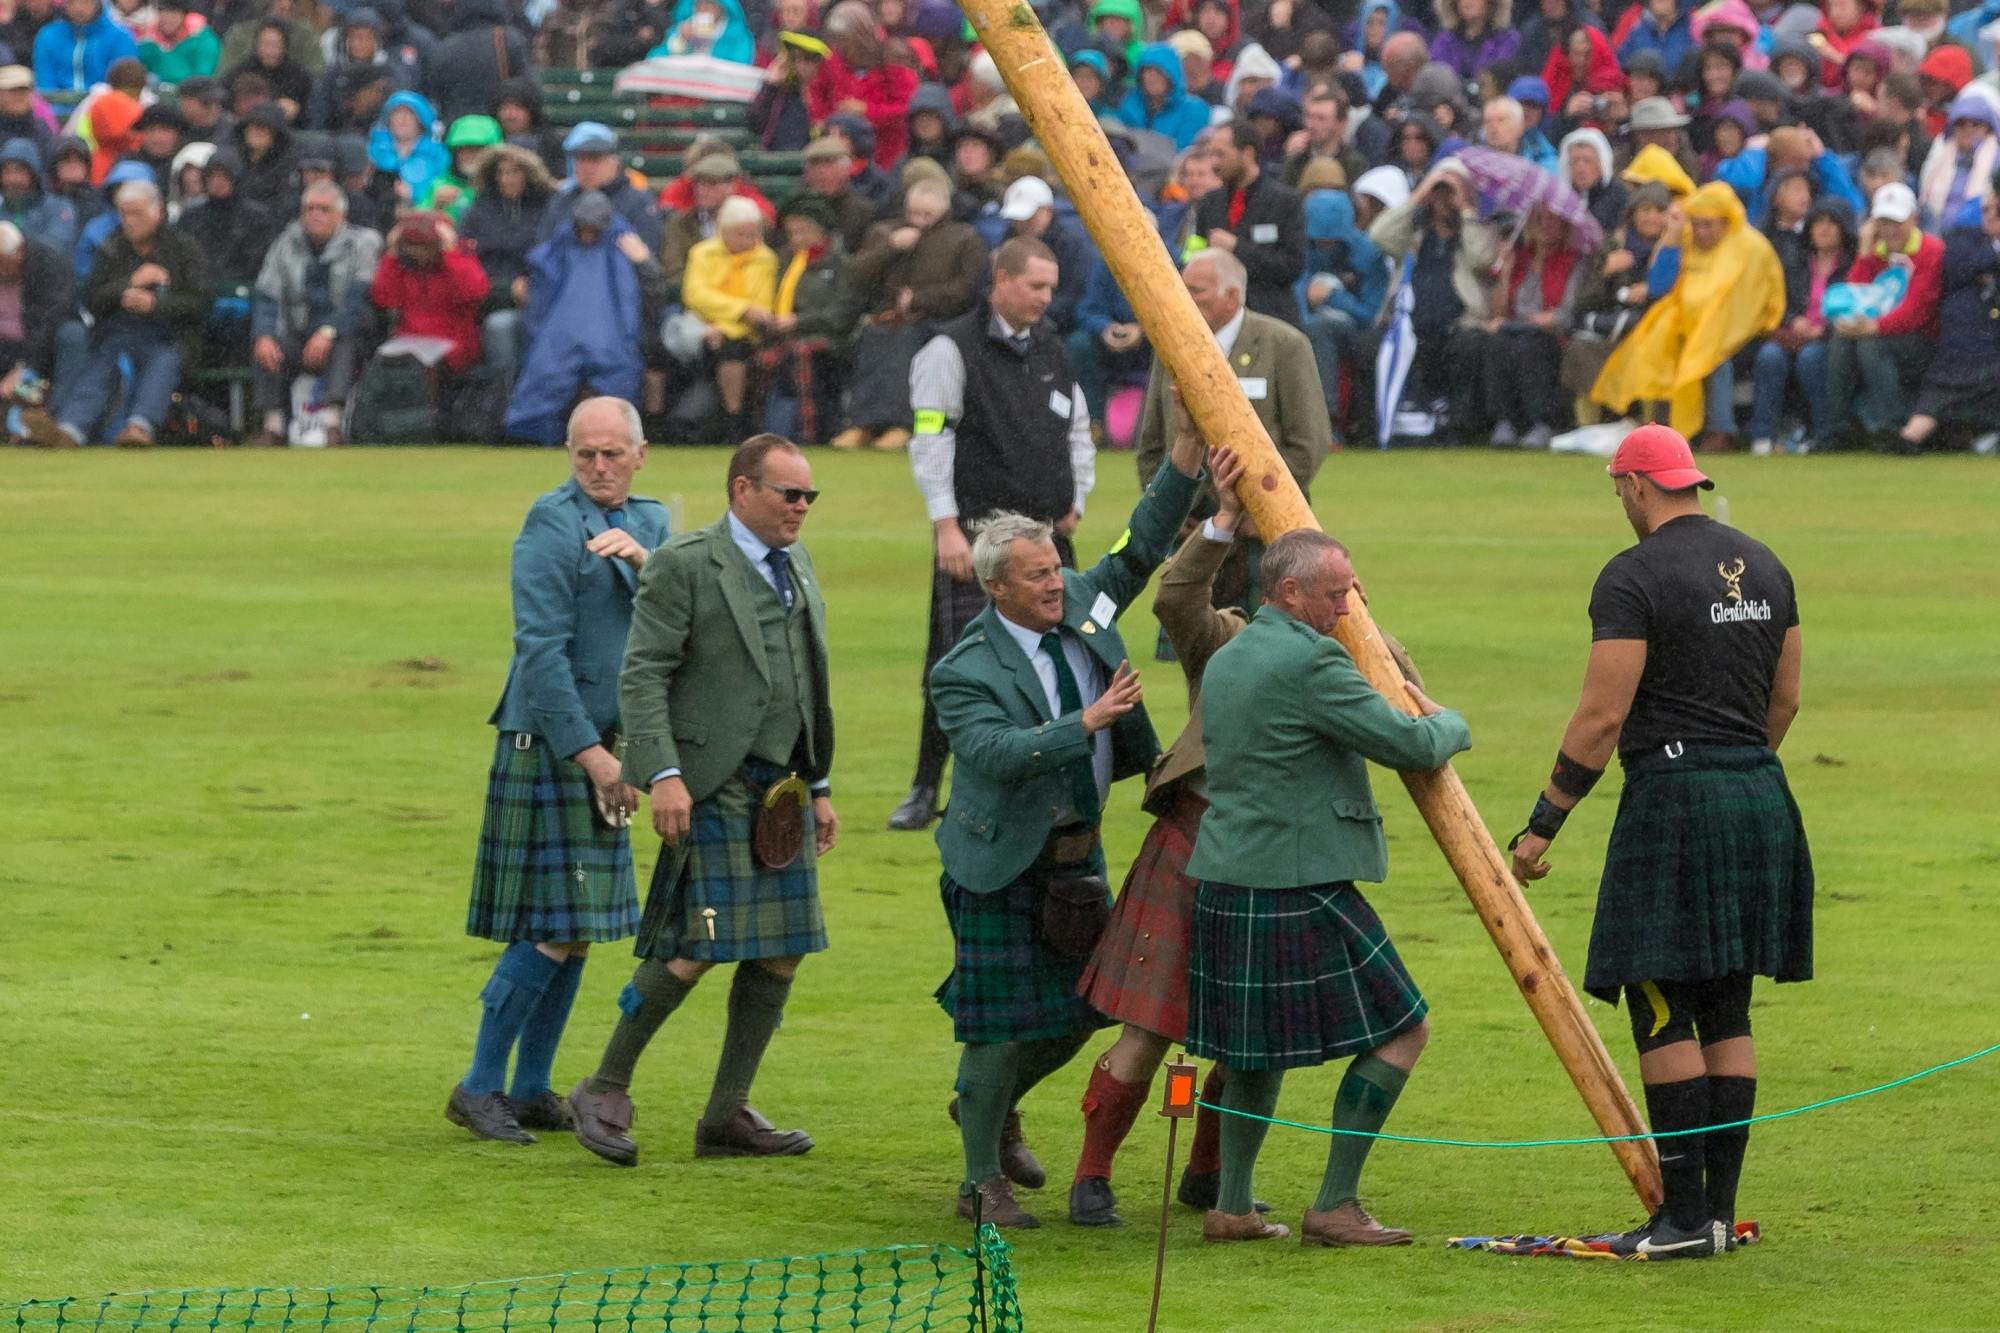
[
  {"x": 728, "y": 726},
  {"x": 1289, "y": 966},
  {"x": 555, "y": 865},
  {"x": 1694, "y": 679},
  {"x": 1042, "y": 710}
]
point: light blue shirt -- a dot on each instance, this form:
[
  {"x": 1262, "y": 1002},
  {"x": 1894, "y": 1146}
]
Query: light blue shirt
[
  {"x": 754, "y": 550},
  {"x": 1089, "y": 684}
]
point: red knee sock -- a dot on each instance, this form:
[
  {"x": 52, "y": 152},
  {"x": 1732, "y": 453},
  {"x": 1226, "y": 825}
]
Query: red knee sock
[
  {"x": 1109, "y": 1108},
  {"x": 1205, "y": 1157}
]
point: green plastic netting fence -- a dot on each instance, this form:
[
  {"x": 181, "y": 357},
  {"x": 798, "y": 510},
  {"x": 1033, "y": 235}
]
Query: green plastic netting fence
[{"x": 898, "y": 1289}]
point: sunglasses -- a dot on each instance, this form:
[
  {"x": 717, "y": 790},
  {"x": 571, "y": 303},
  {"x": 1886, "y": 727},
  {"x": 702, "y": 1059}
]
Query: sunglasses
[{"x": 791, "y": 495}]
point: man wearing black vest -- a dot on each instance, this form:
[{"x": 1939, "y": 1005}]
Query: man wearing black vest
[
  {"x": 1255, "y": 218},
  {"x": 1000, "y": 425}
]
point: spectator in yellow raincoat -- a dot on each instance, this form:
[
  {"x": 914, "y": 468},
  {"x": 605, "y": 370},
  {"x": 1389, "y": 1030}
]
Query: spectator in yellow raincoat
[
  {"x": 1723, "y": 288},
  {"x": 731, "y": 284}
]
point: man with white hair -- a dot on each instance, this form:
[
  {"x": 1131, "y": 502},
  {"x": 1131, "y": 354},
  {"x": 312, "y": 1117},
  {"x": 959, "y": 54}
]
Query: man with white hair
[
  {"x": 1272, "y": 361},
  {"x": 554, "y": 873},
  {"x": 36, "y": 295},
  {"x": 148, "y": 296},
  {"x": 310, "y": 309},
  {"x": 1042, "y": 711},
  {"x": 1503, "y": 124}
]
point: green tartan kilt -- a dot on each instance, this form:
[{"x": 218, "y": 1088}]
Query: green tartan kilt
[
  {"x": 1005, "y": 984},
  {"x": 1290, "y": 978},
  {"x": 1707, "y": 874},
  {"x": 548, "y": 870},
  {"x": 759, "y": 912}
]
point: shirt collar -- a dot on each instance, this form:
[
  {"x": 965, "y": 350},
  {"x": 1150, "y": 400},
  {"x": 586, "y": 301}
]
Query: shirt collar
[
  {"x": 1005, "y": 330},
  {"x": 1225, "y": 337},
  {"x": 1030, "y": 640},
  {"x": 747, "y": 541}
]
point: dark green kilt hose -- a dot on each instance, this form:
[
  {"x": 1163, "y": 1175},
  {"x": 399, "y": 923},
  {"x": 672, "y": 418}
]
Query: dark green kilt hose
[
  {"x": 759, "y": 912},
  {"x": 1290, "y": 978},
  {"x": 1005, "y": 983},
  {"x": 549, "y": 870},
  {"x": 1707, "y": 875}
]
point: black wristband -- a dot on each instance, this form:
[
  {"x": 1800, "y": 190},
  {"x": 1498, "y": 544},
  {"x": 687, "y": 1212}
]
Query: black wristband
[
  {"x": 1545, "y": 822},
  {"x": 1571, "y": 778}
]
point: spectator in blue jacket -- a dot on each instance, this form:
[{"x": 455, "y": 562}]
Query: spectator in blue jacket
[
  {"x": 1664, "y": 30},
  {"x": 1108, "y": 344},
  {"x": 73, "y": 52},
  {"x": 41, "y": 216},
  {"x": 1161, "y": 101},
  {"x": 1341, "y": 290},
  {"x": 1787, "y": 148},
  {"x": 1964, "y": 29},
  {"x": 1533, "y": 95}
]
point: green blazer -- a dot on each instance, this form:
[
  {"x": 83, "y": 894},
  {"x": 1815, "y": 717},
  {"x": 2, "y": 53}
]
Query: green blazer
[
  {"x": 1009, "y": 755},
  {"x": 696, "y": 682},
  {"x": 1287, "y": 720}
]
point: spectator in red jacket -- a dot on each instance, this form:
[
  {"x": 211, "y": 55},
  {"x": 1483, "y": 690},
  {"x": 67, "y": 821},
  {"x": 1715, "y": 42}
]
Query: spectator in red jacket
[
  {"x": 855, "y": 78},
  {"x": 1872, "y": 364},
  {"x": 434, "y": 284}
]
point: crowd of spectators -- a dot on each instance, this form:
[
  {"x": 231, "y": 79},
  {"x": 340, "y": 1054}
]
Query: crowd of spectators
[{"x": 1772, "y": 224}]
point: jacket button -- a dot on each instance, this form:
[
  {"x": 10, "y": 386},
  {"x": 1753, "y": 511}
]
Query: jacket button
[{"x": 1036, "y": 755}]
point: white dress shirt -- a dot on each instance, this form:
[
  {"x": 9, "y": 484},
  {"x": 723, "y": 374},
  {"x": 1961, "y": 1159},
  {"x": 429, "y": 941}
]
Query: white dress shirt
[{"x": 1089, "y": 685}]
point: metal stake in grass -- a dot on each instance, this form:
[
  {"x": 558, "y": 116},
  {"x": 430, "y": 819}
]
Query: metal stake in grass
[
  {"x": 1178, "y": 1106},
  {"x": 1068, "y": 132}
]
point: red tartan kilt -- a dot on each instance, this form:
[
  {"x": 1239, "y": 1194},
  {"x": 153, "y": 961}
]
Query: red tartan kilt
[{"x": 1139, "y": 972}]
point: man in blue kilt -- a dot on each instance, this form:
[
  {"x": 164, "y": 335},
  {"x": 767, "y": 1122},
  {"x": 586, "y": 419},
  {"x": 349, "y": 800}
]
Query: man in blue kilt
[
  {"x": 1289, "y": 966},
  {"x": 1042, "y": 710},
  {"x": 728, "y": 727},
  {"x": 555, "y": 864},
  {"x": 1693, "y": 679}
]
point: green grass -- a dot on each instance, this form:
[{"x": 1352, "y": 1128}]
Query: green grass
[{"x": 244, "y": 698}]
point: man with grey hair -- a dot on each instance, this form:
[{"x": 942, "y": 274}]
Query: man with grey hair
[
  {"x": 1289, "y": 966},
  {"x": 1274, "y": 364},
  {"x": 310, "y": 311},
  {"x": 1503, "y": 123},
  {"x": 148, "y": 298},
  {"x": 554, "y": 871},
  {"x": 1042, "y": 712}
]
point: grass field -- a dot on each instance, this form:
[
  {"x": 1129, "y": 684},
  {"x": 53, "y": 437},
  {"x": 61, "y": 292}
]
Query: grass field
[{"x": 244, "y": 699}]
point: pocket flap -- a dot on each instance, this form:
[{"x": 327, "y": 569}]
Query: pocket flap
[
  {"x": 1362, "y": 810},
  {"x": 691, "y": 732},
  {"x": 979, "y": 826}
]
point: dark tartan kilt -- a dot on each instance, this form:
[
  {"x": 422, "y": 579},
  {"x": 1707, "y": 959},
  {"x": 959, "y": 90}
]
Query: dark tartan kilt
[
  {"x": 1290, "y": 978},
  {"x": 1139, "y": 972},
  {"x": 549, "y": 870},
  {"x": 759, "y": 912},
  {"x": 1707, "y": 875},
  {"x": 1005, "y": 984}
]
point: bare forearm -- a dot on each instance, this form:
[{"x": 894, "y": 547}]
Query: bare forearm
[{"x": 1779, "y": 720}]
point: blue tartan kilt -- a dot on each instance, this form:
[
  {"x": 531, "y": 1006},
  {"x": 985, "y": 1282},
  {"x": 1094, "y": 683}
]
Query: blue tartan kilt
[
  {"x": 1707, "y": 875},
  {"x": 1005, "y": 984},
  {"x": 548, "y": 870},
  {"x": 757, "y": 912},
  {"x": 1290, "y": 978}
]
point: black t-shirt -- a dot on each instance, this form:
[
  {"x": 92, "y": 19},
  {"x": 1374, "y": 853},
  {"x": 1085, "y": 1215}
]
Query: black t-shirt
[{"x": 1713, "y": 607}]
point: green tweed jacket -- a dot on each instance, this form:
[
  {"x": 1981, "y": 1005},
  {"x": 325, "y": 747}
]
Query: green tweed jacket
[
  {"x": 1287, "y": 721},
  {"x": 1009, "y": 756},
  {"x": 696, "y": 681}
]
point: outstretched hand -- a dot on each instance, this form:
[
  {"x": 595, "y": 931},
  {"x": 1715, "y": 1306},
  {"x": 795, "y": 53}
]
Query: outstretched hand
[{"x": 1120, "y": 697}]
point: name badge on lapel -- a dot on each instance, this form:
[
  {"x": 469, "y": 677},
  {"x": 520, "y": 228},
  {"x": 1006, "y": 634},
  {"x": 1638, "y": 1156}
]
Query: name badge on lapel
[
  {"x": 1102, "y": 612},
  {"x": 1254, "y": 388},
  {"x": 1059, "y": 403},
  {"x": 1264, "y": 233}
]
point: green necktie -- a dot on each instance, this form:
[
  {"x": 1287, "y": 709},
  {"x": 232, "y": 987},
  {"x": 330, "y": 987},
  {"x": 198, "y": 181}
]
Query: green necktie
[{"x": 1082, "y": 773}]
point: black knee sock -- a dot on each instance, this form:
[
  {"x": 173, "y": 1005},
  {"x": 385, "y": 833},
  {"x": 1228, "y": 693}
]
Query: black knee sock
[
  {"x": 1678, "y": 1106},
  {"x": 1729, "y": 1098}
]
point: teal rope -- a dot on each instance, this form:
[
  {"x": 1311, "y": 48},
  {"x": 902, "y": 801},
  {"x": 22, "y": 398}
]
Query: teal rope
[{"x": 1612, "y": 1138}]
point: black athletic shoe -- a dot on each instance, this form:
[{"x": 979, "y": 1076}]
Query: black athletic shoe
[
  {"x": 1660, "y": 1239},
  {"x": 544, "y": 1110}
]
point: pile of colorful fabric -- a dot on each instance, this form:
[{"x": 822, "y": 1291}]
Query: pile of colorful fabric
[{"x": 1570, "y": 1247}]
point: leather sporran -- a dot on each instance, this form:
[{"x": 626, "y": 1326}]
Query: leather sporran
[
  {"x": 1071, "y": 913},
  {"x": 778, "y": 823}
]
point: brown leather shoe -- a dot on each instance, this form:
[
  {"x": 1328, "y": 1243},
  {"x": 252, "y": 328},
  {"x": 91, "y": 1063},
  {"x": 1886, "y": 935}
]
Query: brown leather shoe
[
  {"x": 997, "y": 1204},
  {"x": 1016, "y": 1161},
  {"x": 42, "y": 430},
  {"x": 603, "y": 1123},
  {"x": 1220, "y": 1228},
  {"x": 135, "y": 436},
  {"x": 1347, "y": 1224},
  {"x": 889, "y": 441},
  {"x": 851, "y": 438},
  {"x": 748, "y": 1134}
]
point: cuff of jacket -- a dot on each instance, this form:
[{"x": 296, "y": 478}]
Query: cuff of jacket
[
  {"x": 1057, "y": 744},
  {"x": 648, "y": 755},
  {"x": 567, "y": 733}
]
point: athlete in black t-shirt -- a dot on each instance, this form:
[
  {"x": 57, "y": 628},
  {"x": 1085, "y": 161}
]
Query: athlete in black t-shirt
[{"x": 1694, "y": 679}]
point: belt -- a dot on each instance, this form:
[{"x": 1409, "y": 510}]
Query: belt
[
  {"x": 1070, "y": 846},
  {"x": 1687, "y": 756}
]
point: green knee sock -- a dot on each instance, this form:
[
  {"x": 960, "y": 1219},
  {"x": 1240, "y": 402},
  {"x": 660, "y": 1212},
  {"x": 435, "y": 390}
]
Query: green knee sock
[
  {"x": 1039, "y": 1059},
  {"x": 756, "y": 1004},
  {"x": 1255, "y": 1091},
  {"x": 1367, "y": 1094},
  {"x": 986, "y": 1074},
  {"x": 646, "y": 1002}
]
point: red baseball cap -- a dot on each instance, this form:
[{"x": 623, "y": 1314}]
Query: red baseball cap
[{"x": 1659, "y": 452}]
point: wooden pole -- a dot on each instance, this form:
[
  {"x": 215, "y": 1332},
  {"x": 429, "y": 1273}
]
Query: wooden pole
[{"x": 1069, "y": 133}]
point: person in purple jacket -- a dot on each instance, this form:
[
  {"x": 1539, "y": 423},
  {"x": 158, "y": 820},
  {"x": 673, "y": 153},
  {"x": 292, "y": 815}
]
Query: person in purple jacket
[{"x": 1473, "y": 34}]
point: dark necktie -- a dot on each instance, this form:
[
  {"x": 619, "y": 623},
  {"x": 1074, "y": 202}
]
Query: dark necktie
[
  {"x": 780, "y": 562},
  {"x": 615, "y": 518},
  {"x": 1069, "y": 696},
  {"x": 1020, "y": 341}
]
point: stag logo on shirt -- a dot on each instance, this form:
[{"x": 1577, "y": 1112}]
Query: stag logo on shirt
[
  {"x": 1737, "y": 607},
  {"x": 1732, "y": 578}
]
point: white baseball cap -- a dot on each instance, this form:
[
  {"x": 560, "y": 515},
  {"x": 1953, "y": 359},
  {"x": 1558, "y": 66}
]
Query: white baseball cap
[
  {"x": 1894, "y": 202},
  {"x": 1026, "y": 197}
]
